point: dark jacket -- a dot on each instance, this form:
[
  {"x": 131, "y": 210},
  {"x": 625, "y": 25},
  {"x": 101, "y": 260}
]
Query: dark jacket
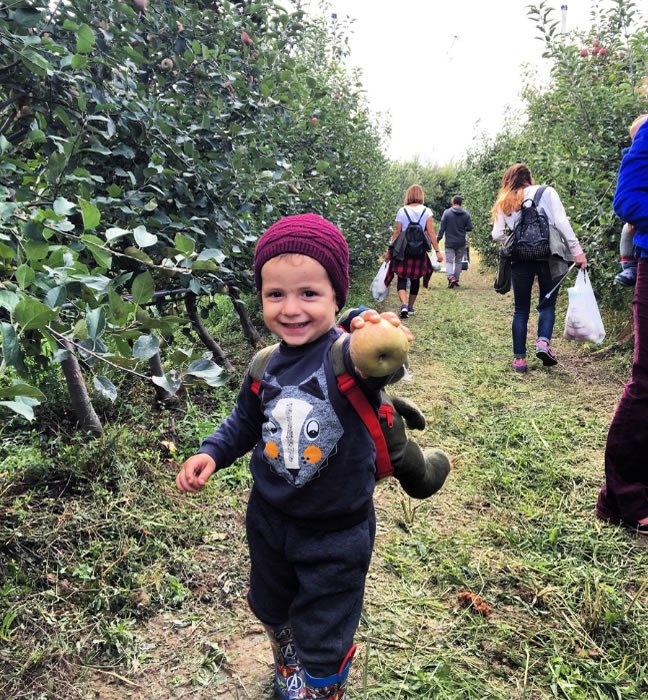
[{"x": 455, "y": 224}]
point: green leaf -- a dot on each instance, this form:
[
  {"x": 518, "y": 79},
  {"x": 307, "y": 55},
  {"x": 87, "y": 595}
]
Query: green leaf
[
  {"x": 146, "y": 347},
  {"x": 8, "y": 300},
  {"x": 96, "y": 322},
  {"x": 115, "y": 232},
  {"x": 96, "y": 246},
  {"x": 96, "y": 282},
  {"x": 20, "y": 389},
  {"x": 184, "y": 244},
  {"x": 36, "y": 63},
  {"x": 27, "y": 17},
  {"x": 55, "y": 297},
  {"x": 25, "y": 276},
  {"x": 143, "y": 288},
  {"x": 79, "y": 62},
  {"x": 119, "y": 309},
  {"x": 4, "y": 144},
  {"x": 36, "y": 250},
  {"x": 143, "y": 238},
  {"x": 23, "y": 408},
  {"x": 85, "y": 39},
  {"x": 63, "y": 207},
  {"x": 32, "y": 314},
  {"x": 11, "y": 347},
  {"x": 171, "y": 381},
  {"x": 61, "y": 355},
  {"x": 90, "y": 214},
  {"x": 105, "y": 388},
  {"x": 212, "y": 254},
  {"x": 208, "y": 371}
]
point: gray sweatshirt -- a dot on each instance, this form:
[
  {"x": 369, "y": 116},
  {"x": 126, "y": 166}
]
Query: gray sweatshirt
[{"x": 455, "y": 224}]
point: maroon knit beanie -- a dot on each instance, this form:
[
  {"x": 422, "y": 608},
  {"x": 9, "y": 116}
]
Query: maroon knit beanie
[{"x": 311, "y": 235}]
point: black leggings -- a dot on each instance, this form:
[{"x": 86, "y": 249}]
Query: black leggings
[{"x": 415, "y": 285}]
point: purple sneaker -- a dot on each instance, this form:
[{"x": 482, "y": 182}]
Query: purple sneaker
[
  {"x": 519, "y": 365},
  {"x": 545, "y": 354}
]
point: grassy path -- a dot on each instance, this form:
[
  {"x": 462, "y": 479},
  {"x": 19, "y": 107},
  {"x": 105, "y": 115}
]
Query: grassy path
[{"x": 564, "y": 597}]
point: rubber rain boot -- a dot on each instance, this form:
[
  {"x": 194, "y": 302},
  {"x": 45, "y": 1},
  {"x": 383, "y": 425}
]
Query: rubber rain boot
[
  {"x": 329, "y": 688},
  {"x": 288, "y": 670}
]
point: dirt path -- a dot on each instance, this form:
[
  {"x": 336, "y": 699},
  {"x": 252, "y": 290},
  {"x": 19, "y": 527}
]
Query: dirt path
[{"x": 462, "y": 379}]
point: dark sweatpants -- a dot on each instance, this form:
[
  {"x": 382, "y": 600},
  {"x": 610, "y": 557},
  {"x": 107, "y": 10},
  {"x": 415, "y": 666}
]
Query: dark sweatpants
[
  {"x": 625, "y": 494},
  {"x": 312, "y": 579}
]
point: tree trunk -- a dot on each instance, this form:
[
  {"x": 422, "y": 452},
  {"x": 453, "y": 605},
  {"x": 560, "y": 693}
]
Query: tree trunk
[
  {"x": 249, "y": 331},
  {"x": 81, "y": 405},
  {"x": 203, "y": 333},
  {"x": 161, "y": 394}
]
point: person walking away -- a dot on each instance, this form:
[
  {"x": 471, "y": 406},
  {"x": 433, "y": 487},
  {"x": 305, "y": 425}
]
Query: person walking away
[
  {"x": 409, "y": 265},
  {"x": 623, "y": 498},
  {"x": 518, "y": 186},
  {"x": 310, "y": 520},
  {"x": 455, "y": 224}
]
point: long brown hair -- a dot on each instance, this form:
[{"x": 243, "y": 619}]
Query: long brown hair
[{"x": 511, "y": 191}]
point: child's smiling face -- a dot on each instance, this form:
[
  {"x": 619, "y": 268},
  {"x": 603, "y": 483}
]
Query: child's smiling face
[{"x": 298, "y": 298}]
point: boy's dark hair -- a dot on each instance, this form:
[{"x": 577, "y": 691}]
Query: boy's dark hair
[{"x": 457, "y": 199}]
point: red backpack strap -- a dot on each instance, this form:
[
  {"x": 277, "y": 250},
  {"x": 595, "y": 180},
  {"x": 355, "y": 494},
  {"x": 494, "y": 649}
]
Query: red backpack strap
[
  {"x": 350, "y": 388},
  {"x": 258, "y": 366}
]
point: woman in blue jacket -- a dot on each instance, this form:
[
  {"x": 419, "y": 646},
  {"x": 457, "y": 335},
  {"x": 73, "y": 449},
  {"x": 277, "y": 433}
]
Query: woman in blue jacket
[{"x": 624, "y": 497}]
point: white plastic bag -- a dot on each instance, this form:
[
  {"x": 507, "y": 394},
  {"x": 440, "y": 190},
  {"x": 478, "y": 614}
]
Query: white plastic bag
[
  {"x": 583, "y": 320},
  {"x": 378, "y": 290},
  {"x": 436, "y": 265}
]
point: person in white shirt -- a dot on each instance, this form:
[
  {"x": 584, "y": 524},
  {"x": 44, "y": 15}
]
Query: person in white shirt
[{"x": 518, "y": 185}]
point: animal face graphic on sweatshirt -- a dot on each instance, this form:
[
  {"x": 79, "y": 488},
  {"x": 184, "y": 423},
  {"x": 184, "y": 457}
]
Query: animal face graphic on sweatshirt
[{"x": 301, "y": 429}]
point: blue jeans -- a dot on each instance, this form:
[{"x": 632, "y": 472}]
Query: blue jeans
[{"x": 523, "y": 275}]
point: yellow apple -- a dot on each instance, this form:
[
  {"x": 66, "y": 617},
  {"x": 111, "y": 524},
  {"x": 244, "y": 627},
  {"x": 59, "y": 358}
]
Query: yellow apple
[{"x": 378, "y": 349}]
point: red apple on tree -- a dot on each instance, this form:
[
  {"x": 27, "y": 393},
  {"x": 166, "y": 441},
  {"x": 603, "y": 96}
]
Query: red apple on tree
[
  {"x": 596, "y": 42},
  {"x": 378, "y": 349},
  {"x": 313, "y": 120},
  {"x": 584, "y": 52},
  {"x": 245, "y": 38},
  {"x": 602, "y": 51}
]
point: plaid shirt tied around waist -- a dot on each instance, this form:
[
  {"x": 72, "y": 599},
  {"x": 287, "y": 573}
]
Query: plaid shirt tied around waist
[{"x": 411, "y": 269}]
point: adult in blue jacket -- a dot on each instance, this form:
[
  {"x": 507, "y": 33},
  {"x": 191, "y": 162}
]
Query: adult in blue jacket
[{"x": 624, "y": 497}]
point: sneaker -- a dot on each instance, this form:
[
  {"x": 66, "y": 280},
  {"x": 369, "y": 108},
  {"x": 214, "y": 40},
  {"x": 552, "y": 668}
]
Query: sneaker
[
  {"x": 452, "y": 282},
  {"x": 627, "y": 277},
  {"x": 404, "y": 312},
  {"x": 545, "y": 354},
  {"x": 410, "y": 310},
  {"x": 519, "y": 365}
]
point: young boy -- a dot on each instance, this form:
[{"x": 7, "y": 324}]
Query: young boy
[
  {"x": 310, "y": 518},
  {"x": 628, "y": 275}
]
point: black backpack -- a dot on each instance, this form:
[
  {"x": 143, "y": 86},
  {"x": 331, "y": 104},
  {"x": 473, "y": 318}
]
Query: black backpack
[
  {"x": 531, "y": 232},
  {"x": 417, "y": 242}
]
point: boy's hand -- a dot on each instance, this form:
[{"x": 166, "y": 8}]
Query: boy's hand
[
  {"x": 195, "y": 472},
  {"x": 371, "y": 316},
  {"x": 379, "y": 343}
]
